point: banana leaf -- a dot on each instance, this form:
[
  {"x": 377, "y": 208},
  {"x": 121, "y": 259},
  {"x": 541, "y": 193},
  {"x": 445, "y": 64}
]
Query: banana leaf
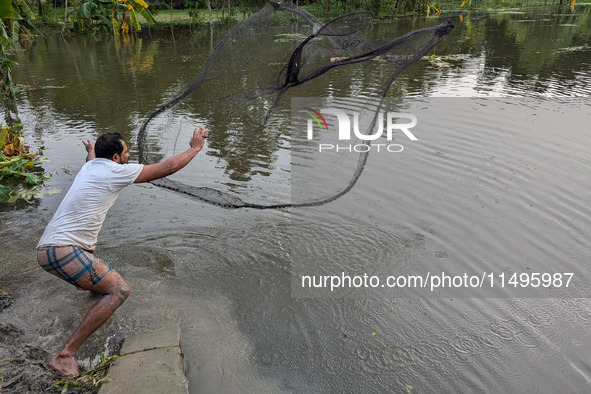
[
  {"x": 10, "y": 195},
  {"x": 141, "y": 7},
  {"x": 15, "y": 29},
  {"x": 105, "y": 18},
  {"x": 115, "y": 26},
  {"x": 7, "y": 194},
  {"x": 6, "y": 10},
  {"x": 3, "y": 136},
  {"x": 86, "y": 9},
  {"x": 134, "y": 21},
  {"x": 23, "y": 8},
  {"x": 4, "y": 38},
  {"x": 19, "y": 170}
]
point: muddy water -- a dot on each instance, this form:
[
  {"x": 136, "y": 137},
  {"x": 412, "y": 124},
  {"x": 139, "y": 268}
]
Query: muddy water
[{"x": 464, "y": 202}]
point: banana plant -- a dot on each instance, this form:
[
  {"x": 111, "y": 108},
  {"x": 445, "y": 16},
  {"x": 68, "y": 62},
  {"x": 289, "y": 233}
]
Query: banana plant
[
  {"x": 6, "y": 10},
  {"x": 93, "y": 14},
  {"x": 16, "y": 20},
  {"x": 22, "y": 17},
  {"x": 6, "y": 64},
  {"x": 118, "y": 16},
  {"x": 127, "y": 21}
]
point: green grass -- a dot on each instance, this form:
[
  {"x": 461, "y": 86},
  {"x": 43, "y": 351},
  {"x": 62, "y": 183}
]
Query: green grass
[{"x": 178, "y": 17}]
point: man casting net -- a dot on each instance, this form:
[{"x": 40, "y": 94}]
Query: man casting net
[{"x": 244, "y": 91}]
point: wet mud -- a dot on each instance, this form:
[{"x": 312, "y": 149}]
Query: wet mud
[{"x": 23, "y": 367}]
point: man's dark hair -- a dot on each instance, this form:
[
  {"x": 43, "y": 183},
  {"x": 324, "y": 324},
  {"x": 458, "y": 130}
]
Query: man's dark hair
[{"x": 107, "y": 145}]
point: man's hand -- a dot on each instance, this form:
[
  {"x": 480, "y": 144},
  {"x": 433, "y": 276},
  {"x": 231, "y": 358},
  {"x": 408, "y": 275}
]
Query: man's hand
[
  {"x": 90, "y": 149},
  {"x": 198, "y": 138}
]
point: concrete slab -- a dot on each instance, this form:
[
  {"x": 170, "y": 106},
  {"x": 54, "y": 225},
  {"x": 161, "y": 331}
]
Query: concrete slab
[{"x": 159, "y": 369}]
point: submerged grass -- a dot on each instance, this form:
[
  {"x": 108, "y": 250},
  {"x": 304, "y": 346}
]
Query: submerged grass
[
  {"x": 87, "y": 382},
  {"x": 91, "y": 380}
]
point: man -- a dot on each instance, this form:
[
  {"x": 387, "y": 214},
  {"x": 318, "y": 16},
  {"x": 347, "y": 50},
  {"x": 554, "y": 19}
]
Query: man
[{"x": 67, "y": 246}]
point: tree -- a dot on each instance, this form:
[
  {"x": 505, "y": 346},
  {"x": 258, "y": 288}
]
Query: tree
[
  {"x": 127, "y": 21},
  {"x": 117, "y": 16},
  {"x": 16, "y": 18}
]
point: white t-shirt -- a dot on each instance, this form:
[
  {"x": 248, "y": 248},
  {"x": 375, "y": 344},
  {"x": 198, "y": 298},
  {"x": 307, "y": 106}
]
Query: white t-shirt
[{"x": 82, "y": 212}]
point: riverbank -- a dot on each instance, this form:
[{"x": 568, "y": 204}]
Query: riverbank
[
  {"x": 23, "y": 366},
  {"x": 180, "y": 19},
  {"x": 149, "y": 362},
  {"x": 27, "y": 340}
]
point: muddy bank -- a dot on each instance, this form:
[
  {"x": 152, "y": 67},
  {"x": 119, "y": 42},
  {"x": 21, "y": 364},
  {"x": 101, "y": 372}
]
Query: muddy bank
[
  {"x": 23, "y": 366},
  {"x": 31, "y": 327},
  {"x": 23, "y": 352},
  {"x": 28, "y": 339}
]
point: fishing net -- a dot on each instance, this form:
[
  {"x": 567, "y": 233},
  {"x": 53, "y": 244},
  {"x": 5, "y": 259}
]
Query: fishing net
[{"x": 243, "y": 96}]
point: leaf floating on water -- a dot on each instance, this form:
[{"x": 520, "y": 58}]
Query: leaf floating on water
[
  {"x": 9, "y": 195},
  {"x": 585, "y": 47},
  {"x": 290, "y": 37},
  {"x": 5, "y": 193}
]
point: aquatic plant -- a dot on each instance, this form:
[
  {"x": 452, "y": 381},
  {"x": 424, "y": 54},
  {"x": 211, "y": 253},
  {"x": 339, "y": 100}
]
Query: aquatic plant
[
  {"x": 19, "y": 166},
  {"x": 86, "y": 382},
  {"x": 91, "y": 380}
]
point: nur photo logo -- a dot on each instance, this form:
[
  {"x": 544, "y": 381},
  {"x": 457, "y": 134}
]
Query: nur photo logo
[{"x": 348, "y": 130}]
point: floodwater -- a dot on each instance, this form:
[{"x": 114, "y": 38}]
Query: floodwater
[{"x": 475, "y": 194}]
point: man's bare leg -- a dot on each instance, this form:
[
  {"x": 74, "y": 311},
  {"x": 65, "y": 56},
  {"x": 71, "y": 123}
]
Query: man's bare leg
[{"x": 115, "y": 291}]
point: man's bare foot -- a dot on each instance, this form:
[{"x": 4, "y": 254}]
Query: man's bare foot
[{"x": 66, "y": 365}]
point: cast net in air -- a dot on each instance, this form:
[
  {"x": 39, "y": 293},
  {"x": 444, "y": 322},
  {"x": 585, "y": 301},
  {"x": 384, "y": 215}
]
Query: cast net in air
[{"x": 243, "y": 95}]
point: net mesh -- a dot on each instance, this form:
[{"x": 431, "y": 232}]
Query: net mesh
[{"x": 243, "y": 96}]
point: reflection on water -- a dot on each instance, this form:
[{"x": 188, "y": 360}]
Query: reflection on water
[
  {"x": 224, "y": 276},
  {"x": 534, "y": 53},
  {"x": 110, "y": 85}
]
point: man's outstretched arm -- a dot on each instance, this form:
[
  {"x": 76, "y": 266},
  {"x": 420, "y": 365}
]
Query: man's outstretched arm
[{"x": 151, "y": 172}]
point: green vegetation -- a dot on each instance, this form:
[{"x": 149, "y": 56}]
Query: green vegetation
[
  {"x": 17, "y": 15},
  {"x": 86, "y": 382},
  {"x": 114, "y": 16},
  {"x": 99, "y": 16},
  {"x": 6, "y": 64},
  {"x": 121, "y": 16},
  {"x": 91, "y": 380},
  {"x": 20, "y": 176},
  {"x": 16, "y": 20}
]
